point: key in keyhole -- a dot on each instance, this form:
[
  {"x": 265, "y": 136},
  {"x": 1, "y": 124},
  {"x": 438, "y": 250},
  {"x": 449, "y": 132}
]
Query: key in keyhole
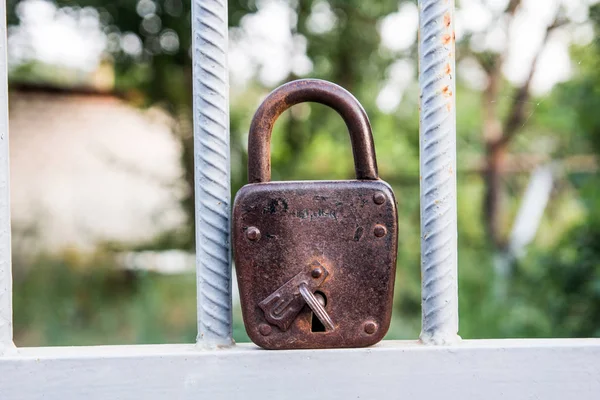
[
  {"x": 316, "y": 307},
  {"x": 315, "y": 324}
]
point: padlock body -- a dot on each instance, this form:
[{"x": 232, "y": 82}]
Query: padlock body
[{"x": 280, "y": 229}]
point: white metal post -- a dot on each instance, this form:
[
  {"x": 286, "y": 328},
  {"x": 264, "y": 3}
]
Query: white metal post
[
  {"x": 438, "y": 172},
  {"x": 212, "y": 171},
  {"x": 6, "y": 329}
]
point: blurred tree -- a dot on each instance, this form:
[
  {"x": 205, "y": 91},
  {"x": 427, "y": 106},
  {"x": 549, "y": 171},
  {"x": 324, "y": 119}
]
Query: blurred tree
[
  {"x": 567, "y": 278},
  {"x": 149, "y": 43},
  {"x": 499, "y": 129}
]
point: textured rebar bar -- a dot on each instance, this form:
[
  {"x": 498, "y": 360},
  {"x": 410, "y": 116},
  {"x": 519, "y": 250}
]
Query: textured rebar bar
[
  {"x": 212, "y": 171},
  {"x": 6, "y": 331},
  {"x": 438, "y": 172}
]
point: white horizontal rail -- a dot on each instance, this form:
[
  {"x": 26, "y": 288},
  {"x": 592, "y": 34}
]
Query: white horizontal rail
[{"x": 483, "y": 369}]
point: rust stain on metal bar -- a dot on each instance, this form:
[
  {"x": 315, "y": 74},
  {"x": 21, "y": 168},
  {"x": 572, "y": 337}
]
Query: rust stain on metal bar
[
  {"x": 447, "y": 20},
  {"x": 446, "y": 91}
]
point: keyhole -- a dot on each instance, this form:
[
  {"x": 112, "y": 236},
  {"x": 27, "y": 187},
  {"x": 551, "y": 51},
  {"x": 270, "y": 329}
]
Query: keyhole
[{"x": 315, "y": 324}]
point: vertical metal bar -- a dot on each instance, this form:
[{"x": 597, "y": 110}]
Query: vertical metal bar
[
  {"x": 6, "y": 329},
  {"x": 212, "y": 171},
  {"x": 438, "y": 172}
]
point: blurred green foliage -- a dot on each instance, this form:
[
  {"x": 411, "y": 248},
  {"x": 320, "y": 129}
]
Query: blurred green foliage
[
  {"x": 74, "y": 299},
  {"x": 554, "y": 291}
]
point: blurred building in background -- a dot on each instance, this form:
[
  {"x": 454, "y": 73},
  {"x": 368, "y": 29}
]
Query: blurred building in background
[{"x": 86, "y": 167}]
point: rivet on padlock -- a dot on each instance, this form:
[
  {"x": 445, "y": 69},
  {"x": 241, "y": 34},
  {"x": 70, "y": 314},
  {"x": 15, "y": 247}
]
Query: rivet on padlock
[{"x": 315, "y": 261}]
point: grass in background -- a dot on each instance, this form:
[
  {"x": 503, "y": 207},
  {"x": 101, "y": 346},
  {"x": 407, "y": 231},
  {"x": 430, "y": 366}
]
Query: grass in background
[{"x": 73, "y": 300}]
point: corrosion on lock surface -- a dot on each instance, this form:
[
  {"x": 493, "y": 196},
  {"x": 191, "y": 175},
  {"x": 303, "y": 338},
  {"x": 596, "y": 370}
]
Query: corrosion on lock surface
[{"x": 316, "y": 260}]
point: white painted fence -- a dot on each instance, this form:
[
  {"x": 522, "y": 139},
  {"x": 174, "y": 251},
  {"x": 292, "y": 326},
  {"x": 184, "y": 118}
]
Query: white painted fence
[{"x": 439, "y": 366}]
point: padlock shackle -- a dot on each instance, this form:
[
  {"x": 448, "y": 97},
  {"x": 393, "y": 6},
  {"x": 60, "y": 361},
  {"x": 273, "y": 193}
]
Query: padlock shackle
[{"x": 317, "y": 91}]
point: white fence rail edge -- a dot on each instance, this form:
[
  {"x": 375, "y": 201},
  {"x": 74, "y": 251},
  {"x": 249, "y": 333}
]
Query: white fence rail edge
[
  {"x": 486, "y": 369},
  {"x": 6, "y": 330}
]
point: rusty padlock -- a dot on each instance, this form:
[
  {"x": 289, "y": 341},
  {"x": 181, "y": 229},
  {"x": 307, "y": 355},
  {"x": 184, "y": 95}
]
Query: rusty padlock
[{"x": 315, "y": 261}]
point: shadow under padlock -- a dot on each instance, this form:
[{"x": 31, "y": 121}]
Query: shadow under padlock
[{"x": 315, "y": 260}]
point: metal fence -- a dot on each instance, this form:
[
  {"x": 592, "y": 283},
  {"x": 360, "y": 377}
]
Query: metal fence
[
  {"x": 212, "y": 176},
  {"x": 500, "y": 369},
  {"x": 438, "y": 166}
]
